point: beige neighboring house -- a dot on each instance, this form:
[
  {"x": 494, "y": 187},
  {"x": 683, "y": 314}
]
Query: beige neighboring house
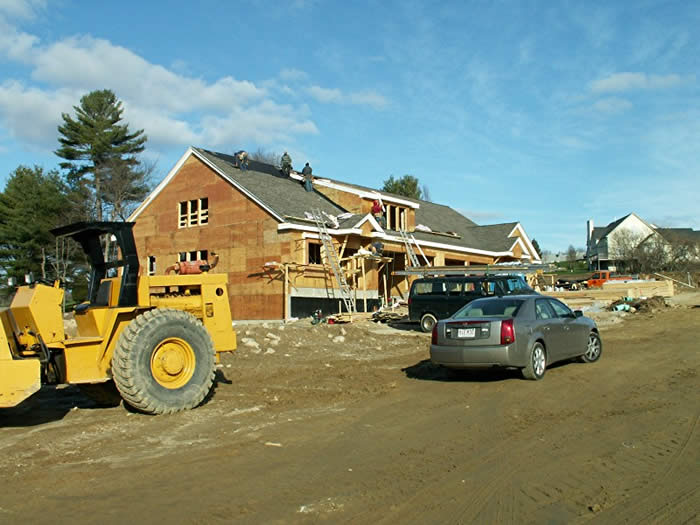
[{"x": 609, "y": 245}]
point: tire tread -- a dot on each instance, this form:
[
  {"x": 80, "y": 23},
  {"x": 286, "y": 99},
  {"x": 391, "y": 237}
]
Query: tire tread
[{"x": 130, "y": 380}]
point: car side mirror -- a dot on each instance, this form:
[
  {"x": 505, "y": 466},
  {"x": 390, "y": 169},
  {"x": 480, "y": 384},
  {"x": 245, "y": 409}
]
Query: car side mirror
[{"x": 578, "y": 313}]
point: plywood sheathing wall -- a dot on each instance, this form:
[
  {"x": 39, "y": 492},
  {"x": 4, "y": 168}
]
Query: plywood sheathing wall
[{"x": 241, "y": 232}]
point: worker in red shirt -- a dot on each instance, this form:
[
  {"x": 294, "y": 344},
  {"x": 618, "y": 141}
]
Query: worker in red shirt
[{"x": 378, "y": 212}]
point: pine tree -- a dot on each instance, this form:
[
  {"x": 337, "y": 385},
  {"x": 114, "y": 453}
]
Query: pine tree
[
  {"x": 93, "y": 143},
  {"x": 32, "y": 203},
  {"x": 536, "y": 246},
  {"x": 407, "y": 186}
]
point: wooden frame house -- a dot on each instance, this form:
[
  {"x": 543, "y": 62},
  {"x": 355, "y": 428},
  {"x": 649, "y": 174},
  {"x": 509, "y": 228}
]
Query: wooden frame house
[{"x": 261, "y": 225}]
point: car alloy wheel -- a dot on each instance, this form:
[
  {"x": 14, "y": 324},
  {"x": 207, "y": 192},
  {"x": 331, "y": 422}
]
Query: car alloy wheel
[
  {"x": 538, "y": 360},
  {"x": 593, "y": 350},
  {"x": 537, "y": 363}
]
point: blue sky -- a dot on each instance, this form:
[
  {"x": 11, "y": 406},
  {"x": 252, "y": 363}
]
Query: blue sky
[{"x": 547, "y": 113}]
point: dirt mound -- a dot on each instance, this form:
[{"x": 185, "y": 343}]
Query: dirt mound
[
  {"x": 646, "y": 305},
  {"x": 651, "y": 304}
]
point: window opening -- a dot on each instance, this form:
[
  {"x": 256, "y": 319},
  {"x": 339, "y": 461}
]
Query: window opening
[
  {"x": 396, "y": 217},
  {"x": 193, "y": 213},
  {"x": 314, "y": 253},
  {"x": 196, "y": 255}
]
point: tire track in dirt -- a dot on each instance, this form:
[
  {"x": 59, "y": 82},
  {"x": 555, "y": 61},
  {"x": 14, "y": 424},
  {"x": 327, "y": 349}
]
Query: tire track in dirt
[
  {"x": 671, "y": 497},
  {"x": 473, "y": 500}
]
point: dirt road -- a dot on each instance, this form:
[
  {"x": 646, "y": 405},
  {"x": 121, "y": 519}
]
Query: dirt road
[{"x": 350, "y": 423}]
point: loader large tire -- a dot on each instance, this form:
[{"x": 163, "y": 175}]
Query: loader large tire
[{"x": 164, "y": 362}]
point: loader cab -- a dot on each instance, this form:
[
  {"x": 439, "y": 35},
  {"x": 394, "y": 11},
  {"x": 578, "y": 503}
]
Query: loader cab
[{"x": 104, "y": 287}]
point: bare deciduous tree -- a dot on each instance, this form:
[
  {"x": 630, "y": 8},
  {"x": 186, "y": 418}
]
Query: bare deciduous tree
[
  {"x": 125, "y": 187},
  {"x": 265, "y": 156},
  {"x": 638, "y": 254}
]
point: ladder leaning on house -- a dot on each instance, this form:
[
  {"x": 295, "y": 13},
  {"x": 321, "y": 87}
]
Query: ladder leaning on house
[
  {"x": 412, "y": 259},
  {"x": 332, "y": 257}
]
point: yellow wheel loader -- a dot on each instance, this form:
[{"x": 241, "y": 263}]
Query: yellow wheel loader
[{"x": 152, "y": 341}]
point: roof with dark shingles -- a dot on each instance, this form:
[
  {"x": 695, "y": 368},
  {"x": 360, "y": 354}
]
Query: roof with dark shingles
[
  {"x": 602, "y": 231},
  {"x": 680, "y": 234},
  {"x": 288, "y": 198}
]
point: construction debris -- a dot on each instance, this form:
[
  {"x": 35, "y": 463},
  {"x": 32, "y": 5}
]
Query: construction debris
[
  {"x": 642, "y": 304},
  {"x": 388, "y": 317}
]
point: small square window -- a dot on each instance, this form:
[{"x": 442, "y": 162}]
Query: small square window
[
  {"x": 194, "y": 255},
  {"x": 314, "y": 251}
]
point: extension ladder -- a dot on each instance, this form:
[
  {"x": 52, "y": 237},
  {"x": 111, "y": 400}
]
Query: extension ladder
[
  {"x": 332, "y": 257},
  {"x": 413, "y": 260}
]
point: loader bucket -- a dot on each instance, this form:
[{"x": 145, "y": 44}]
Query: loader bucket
[{"x": 19, "y": 379}]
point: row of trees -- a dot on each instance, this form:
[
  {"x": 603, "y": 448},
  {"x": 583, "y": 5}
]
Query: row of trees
[{"x": 101, "y": 177}]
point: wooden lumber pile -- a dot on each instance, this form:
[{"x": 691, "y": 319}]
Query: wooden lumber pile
[
  {"x": 388, "y": 317},
  {"x": 613, "y": 291},
  {"x": 640, "y": 288}
]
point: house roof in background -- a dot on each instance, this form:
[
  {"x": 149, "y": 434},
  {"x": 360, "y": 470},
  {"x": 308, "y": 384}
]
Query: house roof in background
[
  {"x": 603, "y": 231},
  {"x": 670, "y": 234},
  {"x": 680, "y": 234}
]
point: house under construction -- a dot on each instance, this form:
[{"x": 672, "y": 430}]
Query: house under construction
[{"x": 288, "y": 251}]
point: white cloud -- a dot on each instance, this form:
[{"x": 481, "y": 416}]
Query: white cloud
[
  {"x": 628, "y": 81},
  {"x": 325, "y": 95},
  {"x": 31, "y": 114},
  {"x": 293, "y": 75},
  {"x": 266, "y": 123},
  {"x": 612, "y": 105},
  {"x": 173, "y": 108},
  {"x": 89, "y": 63},
  {"x": 160, "y": 128},
  {"x": 574, "y": 143},
  {"x": 21, "y": 8},
  {"x": 336, "y": 96},
  {"x": 368, "y": 98},
  {"x": 16, "y": 45}
]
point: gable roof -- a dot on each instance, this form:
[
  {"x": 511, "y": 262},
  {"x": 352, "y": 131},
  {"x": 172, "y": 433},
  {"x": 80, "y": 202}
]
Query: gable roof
[
  {"x": 286, "y": 199},
  {"x": 680, "y": 235},
  {"x": 603, "y": 231}
]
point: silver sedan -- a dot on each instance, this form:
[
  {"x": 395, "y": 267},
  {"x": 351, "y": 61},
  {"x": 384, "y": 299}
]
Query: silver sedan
[{"x": 528, "y": 332}]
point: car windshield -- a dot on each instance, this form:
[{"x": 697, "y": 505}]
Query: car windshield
[{"x": 501, "y": 307}]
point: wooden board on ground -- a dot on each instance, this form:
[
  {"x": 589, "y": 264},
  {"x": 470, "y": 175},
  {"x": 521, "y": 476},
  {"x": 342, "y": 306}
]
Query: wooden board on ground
[
  {"x": 613, "y": 292},
  {"x": 349, "y": 318},
  {"x": 641, "y": 289}
]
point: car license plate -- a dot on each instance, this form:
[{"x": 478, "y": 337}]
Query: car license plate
[{"x": 466, "y": 332}]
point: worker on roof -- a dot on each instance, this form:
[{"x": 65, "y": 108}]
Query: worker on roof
[
  {"x": 378, "y": 212},
  {"x": 241, "y": 159},
  {"x": 286, "y": 162},
  {"x": 308, "y": 177}
]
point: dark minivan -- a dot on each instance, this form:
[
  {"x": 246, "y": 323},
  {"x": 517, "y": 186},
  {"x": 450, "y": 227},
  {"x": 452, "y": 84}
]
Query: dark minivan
[{"x": 434, "y": 298}]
